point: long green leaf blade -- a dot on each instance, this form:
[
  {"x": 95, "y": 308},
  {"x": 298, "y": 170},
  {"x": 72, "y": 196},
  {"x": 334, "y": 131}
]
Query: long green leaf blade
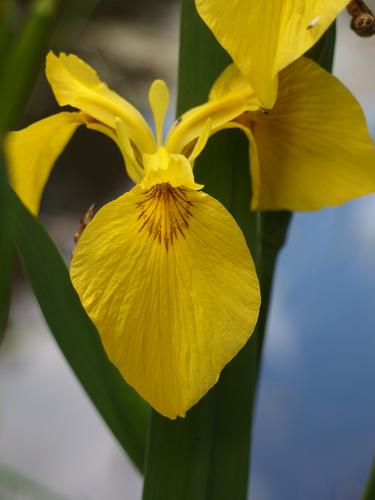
[
  {"x": 124, "y": 411},
  {"x": 23, "y": 60}
]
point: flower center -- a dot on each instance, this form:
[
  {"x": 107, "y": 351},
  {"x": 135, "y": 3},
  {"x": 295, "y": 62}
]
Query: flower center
[{"x": 164, "y": 167}]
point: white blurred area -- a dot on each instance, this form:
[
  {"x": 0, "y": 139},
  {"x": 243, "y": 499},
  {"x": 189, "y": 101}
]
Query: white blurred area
[{"x": 49, "y": 430}]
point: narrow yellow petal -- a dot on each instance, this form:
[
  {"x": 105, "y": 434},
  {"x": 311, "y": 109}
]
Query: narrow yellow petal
[
  {"x": 314, "y": 147},
  {"x": 32, "y": 152},
  {"x": 264, "y": 37},
  {"x": 76, "y": 84},
  {"x": 167, "y": 278},
  {"x": 222, "y": 108},
  {"x": 201, "y": 142},
  {"x": 134, "y": 170},
  {"x": 159, "y": 101}
]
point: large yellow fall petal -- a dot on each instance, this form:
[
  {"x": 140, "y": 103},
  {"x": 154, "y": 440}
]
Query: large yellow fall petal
[
  {"x": 314, "y": 147},
  {"x": 264, "y": 37},
  {"x": 167, "y": 278},
  {"x": 32, "y": 152},
  {"x": 76, "y": 84}
]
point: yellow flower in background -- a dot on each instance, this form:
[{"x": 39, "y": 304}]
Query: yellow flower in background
[
  {"x": 312, "y": 149},
  {"x": 163, "y": 271},
  {"x": 263, "y": 38}
]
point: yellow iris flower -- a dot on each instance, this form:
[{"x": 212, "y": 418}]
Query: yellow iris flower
[
  {"x": 265, "y": 37},
  {"x": 163, "y": 271}
]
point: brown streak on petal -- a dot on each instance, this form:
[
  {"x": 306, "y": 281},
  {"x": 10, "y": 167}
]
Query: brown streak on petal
[{"x": 165, "y": 212}]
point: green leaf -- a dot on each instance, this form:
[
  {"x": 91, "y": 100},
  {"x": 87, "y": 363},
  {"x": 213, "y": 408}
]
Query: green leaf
[
  {"x": 23, "y": 60},
  {"x": 126, "y": 414}
]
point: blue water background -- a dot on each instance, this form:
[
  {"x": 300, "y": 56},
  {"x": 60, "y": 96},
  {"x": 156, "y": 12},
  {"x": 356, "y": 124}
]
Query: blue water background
[{"x": 314, "y": 435}]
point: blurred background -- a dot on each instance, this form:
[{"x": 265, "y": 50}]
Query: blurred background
[{"x": 316, "y": 409}]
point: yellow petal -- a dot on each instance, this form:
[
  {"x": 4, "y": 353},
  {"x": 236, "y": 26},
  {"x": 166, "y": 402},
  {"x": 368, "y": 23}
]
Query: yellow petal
[
  {"x": 159, "y": 101},
  {"x": 167, "y": 278},
  {"x": 222, "y": 107},
  {"x": 314, "y": 148},
  {"x": 232, "y": 81},
  {"x": 201, "y": 142},
  {"x": 133, "y": 168},
  {"x": 32, "y": 152},
  {"x": 76, "y": 84},
  {"x": 264, "y": 37},
  {"x": 164, "y": 167}
]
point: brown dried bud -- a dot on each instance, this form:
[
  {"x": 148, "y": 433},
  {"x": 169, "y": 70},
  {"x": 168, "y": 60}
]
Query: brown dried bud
[{"x": 363, "y": 22}]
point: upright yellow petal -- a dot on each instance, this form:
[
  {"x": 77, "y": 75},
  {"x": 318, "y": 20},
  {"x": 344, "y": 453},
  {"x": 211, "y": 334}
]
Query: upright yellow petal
[
  {"x": 158, "y": 98},
  {"x": 76, "y": 84},
  {"x": 32, "y": 152},
  {"x": 314, "y": 147},
  {"x": 167, "y": 278},
  {"x": 264, "y": 37}
]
